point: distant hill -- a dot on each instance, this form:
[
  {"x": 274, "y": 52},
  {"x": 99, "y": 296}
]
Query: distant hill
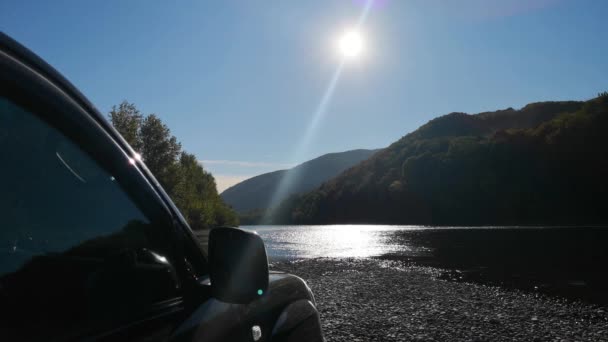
[
  {"x": 543, "y": 164},
  {"x": 258, "y": 192}
]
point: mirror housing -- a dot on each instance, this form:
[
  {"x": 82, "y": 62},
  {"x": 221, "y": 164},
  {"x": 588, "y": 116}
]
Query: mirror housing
[{"x": 238, "y": 265}]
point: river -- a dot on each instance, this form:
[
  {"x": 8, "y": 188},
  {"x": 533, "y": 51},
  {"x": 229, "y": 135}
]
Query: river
[{"x": 565, "y": 261}]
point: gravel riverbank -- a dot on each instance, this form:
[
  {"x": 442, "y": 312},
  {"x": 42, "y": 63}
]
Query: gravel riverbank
[{"x": 375, "y": 300}]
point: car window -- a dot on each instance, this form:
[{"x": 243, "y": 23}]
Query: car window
[{"x": 76, "y": 254}]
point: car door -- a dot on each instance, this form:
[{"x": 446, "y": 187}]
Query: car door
[
  {"x": 91, "y": 248},
  {"x": 88, "y": 247}
]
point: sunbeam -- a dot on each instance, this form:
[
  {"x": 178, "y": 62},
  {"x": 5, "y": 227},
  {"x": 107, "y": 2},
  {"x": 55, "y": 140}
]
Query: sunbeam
[{"x": 318, "y": 114}]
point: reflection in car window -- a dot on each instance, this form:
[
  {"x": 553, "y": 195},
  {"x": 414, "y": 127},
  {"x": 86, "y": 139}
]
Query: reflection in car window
[{"x": 75, "y": 252}]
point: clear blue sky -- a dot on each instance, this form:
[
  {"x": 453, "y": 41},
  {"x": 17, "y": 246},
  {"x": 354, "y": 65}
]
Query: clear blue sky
[{"x": 238, "y": 82}]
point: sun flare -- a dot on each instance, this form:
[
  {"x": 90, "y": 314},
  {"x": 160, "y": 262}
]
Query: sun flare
[{"x": 351, "y": 44}]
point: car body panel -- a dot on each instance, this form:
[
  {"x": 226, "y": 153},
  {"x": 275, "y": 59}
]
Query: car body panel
[{"x": 218, "y": 321}]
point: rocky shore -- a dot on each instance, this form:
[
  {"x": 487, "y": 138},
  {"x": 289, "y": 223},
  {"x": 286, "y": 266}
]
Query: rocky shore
[{"x": 379, "y": 300}]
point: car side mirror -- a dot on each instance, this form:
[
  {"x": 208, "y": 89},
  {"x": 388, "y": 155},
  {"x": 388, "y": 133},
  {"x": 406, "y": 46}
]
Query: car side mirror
[{"x": 238, "y": 265}]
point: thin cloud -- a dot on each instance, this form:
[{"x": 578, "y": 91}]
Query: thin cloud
[
  {"x": 223, "y": 182},
  {"x": 246, "y": 164}
]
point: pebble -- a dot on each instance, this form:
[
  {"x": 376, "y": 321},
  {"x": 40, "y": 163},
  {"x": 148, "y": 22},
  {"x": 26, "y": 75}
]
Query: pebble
[{"x": 375, "y": 300}]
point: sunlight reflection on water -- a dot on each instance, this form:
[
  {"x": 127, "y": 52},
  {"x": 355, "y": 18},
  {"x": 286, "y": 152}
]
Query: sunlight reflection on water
[{"x": 335, "y": 241}]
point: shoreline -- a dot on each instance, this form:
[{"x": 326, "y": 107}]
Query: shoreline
[
  {"x": 370, "y": 299},
  {"x": 422, "y": 226}
]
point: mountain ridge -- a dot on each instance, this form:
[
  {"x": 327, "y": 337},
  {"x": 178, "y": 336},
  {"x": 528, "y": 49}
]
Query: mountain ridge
[
  {"x": 541, "y": 164},
  {"x": 258, "y": 192}
]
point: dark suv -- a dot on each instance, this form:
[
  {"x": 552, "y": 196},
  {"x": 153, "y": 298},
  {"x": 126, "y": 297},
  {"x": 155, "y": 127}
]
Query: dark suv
[{"x": 91, "y": 247}]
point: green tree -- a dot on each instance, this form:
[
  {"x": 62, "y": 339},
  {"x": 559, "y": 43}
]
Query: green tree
[
  {"x": 127, "y": 120},
  {"x": 191, "y": 187},
  {"x": 196, "y": 193},
  {"x": 160, "y": 151}
]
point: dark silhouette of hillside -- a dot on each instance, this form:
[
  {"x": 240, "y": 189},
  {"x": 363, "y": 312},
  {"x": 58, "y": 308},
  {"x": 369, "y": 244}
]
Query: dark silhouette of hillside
[
  {"x": 258, "y": 192},
  {"x": 543, "y": 164}
]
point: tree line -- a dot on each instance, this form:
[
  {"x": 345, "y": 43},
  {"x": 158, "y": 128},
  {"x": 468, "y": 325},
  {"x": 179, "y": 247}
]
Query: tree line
[
  {"x": 543, "y": 164},
  {"x": 190, "y": 186}
]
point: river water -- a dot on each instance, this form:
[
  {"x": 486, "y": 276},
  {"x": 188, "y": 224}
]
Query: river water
[
  {"x": 338, "y": 241},
  {"x": 566, "y": 261}
]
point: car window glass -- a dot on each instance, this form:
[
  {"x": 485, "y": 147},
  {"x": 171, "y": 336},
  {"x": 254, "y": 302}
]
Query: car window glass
[{"x": 76, "y": 254}]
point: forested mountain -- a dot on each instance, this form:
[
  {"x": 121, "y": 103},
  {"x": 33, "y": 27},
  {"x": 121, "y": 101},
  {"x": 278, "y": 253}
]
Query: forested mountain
[
  {"x": 258, "y": 192},
  {"x": 191, "y": 188},
  {"x": 543, "y": 164}
]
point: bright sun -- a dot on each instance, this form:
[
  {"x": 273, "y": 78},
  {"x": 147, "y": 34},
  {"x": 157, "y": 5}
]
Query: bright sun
[{"x": 351, "y": 44}]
